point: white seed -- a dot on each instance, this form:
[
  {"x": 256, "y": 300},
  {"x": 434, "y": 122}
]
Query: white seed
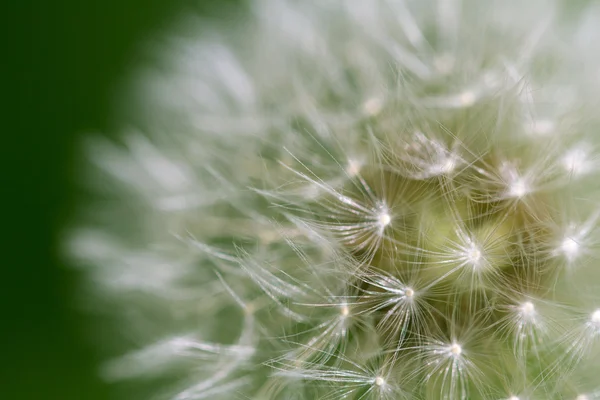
[
  {"x": 408, "y": 292},
  {"x": 379, "y": 381},
  {"x": 473, "y": 255},
  {"x": 569, "y": 247},
  {"x": 527, "y": 309},
  {"x": 467, "y": 98},
  {"x": 385, "y": 219},
  {"x": 455, "y": 349},
  {"x": 345, "y": 311},
  {"x": 353, "y": 167},
  {"x": 449, "y": 165},
  {"x": 518, "y": 188},
  {"x": 373, "y": 106},
  {"x": 575, "y": 161}
]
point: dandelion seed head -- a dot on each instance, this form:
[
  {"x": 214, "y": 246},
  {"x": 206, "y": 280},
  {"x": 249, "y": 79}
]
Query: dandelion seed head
[{"x": 402, "y": 270}]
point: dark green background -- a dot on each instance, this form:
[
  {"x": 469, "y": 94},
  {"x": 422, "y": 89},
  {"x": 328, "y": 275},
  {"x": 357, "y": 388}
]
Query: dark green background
[{"x": 64, "y": 60}]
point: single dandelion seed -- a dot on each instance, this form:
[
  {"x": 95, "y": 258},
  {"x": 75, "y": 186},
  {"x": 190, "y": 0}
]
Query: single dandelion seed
[
  {"x": 449, "y": 165},
  {"x": 518, "y": 188},
  {"x": 400, "y": 304},
  {"x": 353, "y": 168},
  {"x": 379, "y": 381},
  {"x": 425, "y": 157},
  {"x": 576, "y": 161},
  {"x": 467, "y": 98},
  {"x": 384, "y": 219},
  {"x": 473, "y": 255},
  {"x": 578, "y": 240},
  {"x": 373, "y": 106},
  {"x": 344, "y": 310},
  {"x": 455, "y": 349},
  {"x": 570, "y": 248},
  {"x": 450, "y": 370},
  {"x": 527, "y": 310}
]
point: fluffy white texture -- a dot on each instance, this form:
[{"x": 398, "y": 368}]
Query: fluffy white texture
[
  {"x": 451, "y": 370},
  {"x": 275, "y": 110},
  {"x": 578, "y": 240}
]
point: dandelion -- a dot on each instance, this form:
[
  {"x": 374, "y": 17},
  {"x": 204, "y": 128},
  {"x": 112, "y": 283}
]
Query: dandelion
[{"x": 352, "y": 200}]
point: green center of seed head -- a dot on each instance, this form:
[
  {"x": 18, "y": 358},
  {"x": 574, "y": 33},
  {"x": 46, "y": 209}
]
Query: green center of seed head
[{"x": 463, "y": 252}]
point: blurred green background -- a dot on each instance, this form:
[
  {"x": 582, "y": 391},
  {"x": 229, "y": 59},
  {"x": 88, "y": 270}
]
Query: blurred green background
[{"x": 64, "y": 59}]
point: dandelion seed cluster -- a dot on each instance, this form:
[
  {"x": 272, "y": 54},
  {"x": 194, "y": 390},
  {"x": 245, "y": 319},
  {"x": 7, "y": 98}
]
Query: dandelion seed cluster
[{"x": 354, "y": 200}]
